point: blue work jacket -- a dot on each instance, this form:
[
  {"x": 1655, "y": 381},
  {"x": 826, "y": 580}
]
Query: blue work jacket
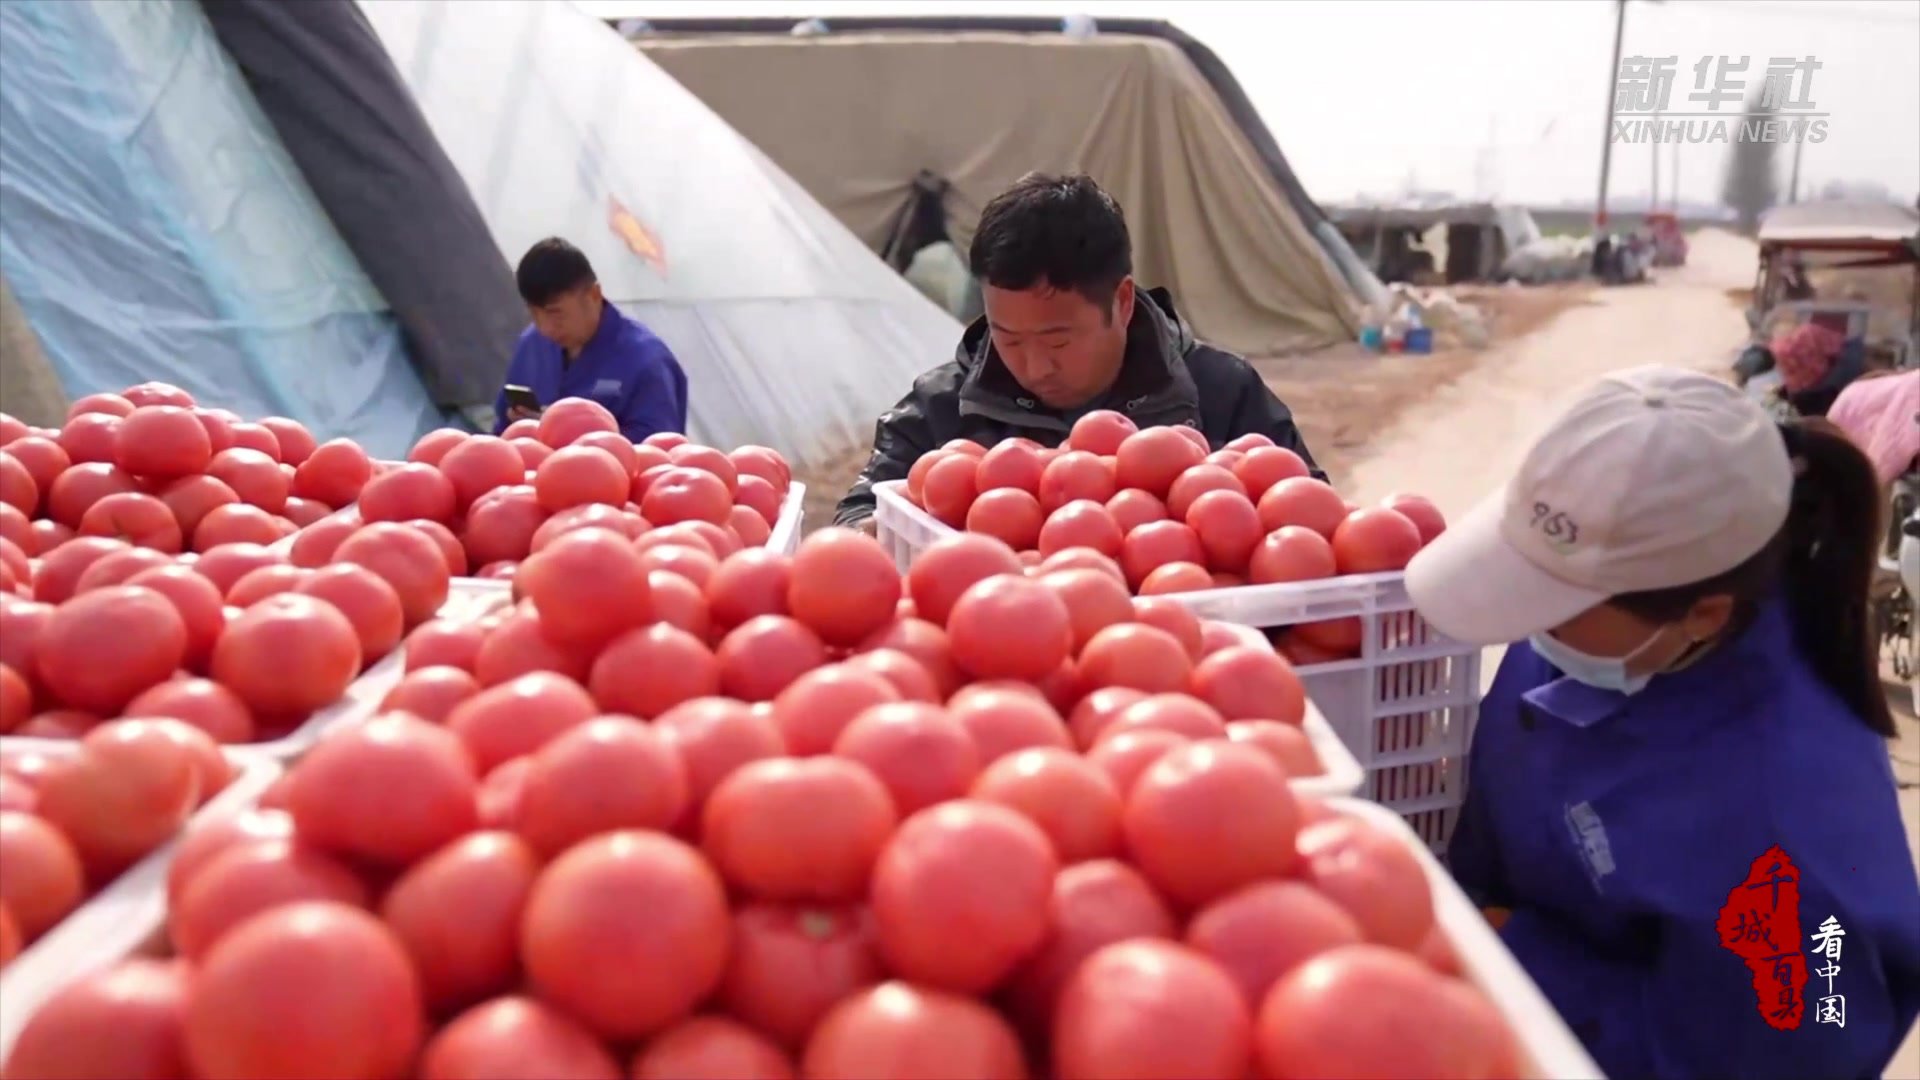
[
  {"x": 1617, "y": 827},
  {"x": 623, "y": 366}
]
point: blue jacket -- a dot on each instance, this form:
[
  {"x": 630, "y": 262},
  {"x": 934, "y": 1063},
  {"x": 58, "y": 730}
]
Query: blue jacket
[
  {"x": 623, "y": 366},
  {"x": 1616, "y": 828}
]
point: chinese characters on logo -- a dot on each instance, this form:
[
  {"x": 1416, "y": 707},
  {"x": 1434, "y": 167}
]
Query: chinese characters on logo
[
  {"x": 1760, "y": 923},
  {"x": 1644, "y": 85},
  {"x": 1831, "y": 1009}
]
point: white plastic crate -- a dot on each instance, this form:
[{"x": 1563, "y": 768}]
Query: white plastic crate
[
  {"x": 1552, "y": 1051},
  {"x": 467, "y": 599},
  {"x": 1405, "y": 707},
  {"x": 119, "y": 920}
]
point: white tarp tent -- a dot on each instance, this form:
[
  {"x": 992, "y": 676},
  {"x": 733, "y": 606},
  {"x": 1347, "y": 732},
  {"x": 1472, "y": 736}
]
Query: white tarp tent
[{"x": 793, "y": 334}]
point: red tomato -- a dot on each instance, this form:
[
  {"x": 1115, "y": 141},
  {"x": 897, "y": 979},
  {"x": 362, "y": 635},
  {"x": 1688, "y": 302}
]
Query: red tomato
[
  {"x": 713, "y": 737},
  {"x": 625, "y": 977},
  {"x": 60, "y": 571},
  {"x": 761, "y": 496},
  {"x": 1226, "y": 459},
  {"x": 253, "y": 476},
  {"x": 124, "y": 1021},
  {"x": 1178, "y": 713},
  {"x": 267, "y": 581},
  {"x": 950, "y": 488},
  {"x": 304, "y": 989},
  {"x": 108, "y": 404},
  {"x": 1094, "y": 904},
  {"x": 244, "y": 876},
  {"x": 388, "y": 791},
  {"x": 1197, "y": 481},
  {"x": 711, "y": 1048},
  {"x": 1305, "y": 502},
  {"x": 1073, "y": 476},
  {"x": 1156, "y": 543},
  {"x": 191, "y": 498},
  {"x": 516, "y": 1036},
  {"x": 967, "y": 864},
  {"x": 1151, "y": 1008},
  {"x": 334, "y": 473},
  {"x": 16, "y": 700},
  {"x": 1260, "y": 933},
  {"x": 798, "y": 829},
  {"x": 115, "y": 568},
  {"x": 1010, "y": 514},
  {"x": 1008, "y": 627},
  {"x": 901, "y": 1030},
  {"x": 950, "y": 566},
  {"x": 533, "y": 453},
  {"x": 129, "y": 791},
  {"x": 694, "y": 564},
  {"x": 1094, "y": 601},
  {"x": 1082, "y": 524},
  {"x": 813, "y": 710},
  {"x": 1229, "y": 528},
  {"x": 365, "y": 598},
  {"x": 287, "y": 656},
  {"x": 706, "y": 459},
  {"x": 1009, "y": 465},
  {"x": 520, "y": 646},
  {"x": 1072, "y": 800},
  {"x": 1152, "y": 459},
  {"x": 790, "y": 964},
  {"x": 1209, "y": 817},
  {"x": 444, "y": 643},
  {"x": 136, "y": 518},
  {"x": 295, "y": 443},
  {"x": 1136, "y": 655},
  {"x": 764, "y": 462},
  {"x": 1328, "y": 639},
  {"x": 479, "y": 464},
  {"x": 1420, "y": 510},
  {"x": 1002, "y": 720},
  {"x": 433, "y": 446},
  {"x": 924, "y": 642},
  {"x": 43, "y": 460},
  {"x": 684, "y": 493},
  {"x": 1284, "y": 743},
  {"x": 1098, "y": 710},
  {"x": 651, "y": 669},
  {"x": 200, "y": 703},
  {"x": 99, "y": 650},
  {"x": 197, "y": 600},
  {"x": 1375, "y": 541},
  {"x": 413, "y": 490},
  {"x": 248, "y": 436},
  {"x": 1329, "y": 1017},
  {"x": 162, "y": 442},
  {"x": 519, "y": 717},
  {"x": 409, "y": 561},
  {"x": 238, "y": 523},
  {"x": 1176, "y": 577},
  {"x": 920, "y": 754},
  {"x": 677, "y": 602},
  {"x": 1081, "y": 559},
  {"x": 44, "y": 880},
  {"x": 581, "y": 475},
  {"x": 207, "y": 841},
  {"x": 1265, "y": 466},
  {"x": 501, "y": 527},
  {"x": 908, "y": 677},
  {"x": 566, "y": 420},
  {"x": 90, "y": 437},
  {"x": 1101, "y": 432},
  {"x": 1246, "y": 683},
  {"x": 449, "y": 545},
  {"x": 76, "y": 490},
  {"x": 431, "y": 693},
  {"x": 457, "y": 913},
  {"x": 608, "y": 774},
  {"x": 844, "y": 585},
  {"x": 1373, "y": 876},
  {"x": 1291, "y": 553},
  {"x": 615, "y": 444}
]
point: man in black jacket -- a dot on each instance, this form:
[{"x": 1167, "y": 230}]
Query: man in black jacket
[{"x": 1066, "y": 332}]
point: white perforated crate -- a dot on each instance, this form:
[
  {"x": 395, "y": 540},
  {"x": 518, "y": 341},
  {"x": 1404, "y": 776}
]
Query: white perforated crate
[{"x": 1405, "y": 707}]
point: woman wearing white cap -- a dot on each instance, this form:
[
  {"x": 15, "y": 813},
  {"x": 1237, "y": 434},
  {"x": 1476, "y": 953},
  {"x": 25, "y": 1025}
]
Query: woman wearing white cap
[{"x": 1692, "y": 684}]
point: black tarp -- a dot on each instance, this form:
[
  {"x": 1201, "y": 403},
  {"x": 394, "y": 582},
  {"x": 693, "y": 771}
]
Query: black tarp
[
  {"x": 1218, "y": 76},
  {"x": 349, "y": 122}
]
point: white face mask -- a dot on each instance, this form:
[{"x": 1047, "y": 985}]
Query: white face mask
[{"x": 1601, "y": 672}]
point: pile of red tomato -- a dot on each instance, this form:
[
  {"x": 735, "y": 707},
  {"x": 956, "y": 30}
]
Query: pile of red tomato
[
  {"x": 151, "y": 468},
  {"x": 493, "y": 501},
  {"x": 689, "y": 810},
  {"x": 1177, "y": 518},
  {"x": 71, "y": 823}
]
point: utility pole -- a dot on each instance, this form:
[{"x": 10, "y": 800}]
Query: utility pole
[
  {"x": 1793, "y": 186},
  {"x": 1613, "y": 83},
  {"x": 1676, "y": 179},
  {"x": 1653, "y": 183}
]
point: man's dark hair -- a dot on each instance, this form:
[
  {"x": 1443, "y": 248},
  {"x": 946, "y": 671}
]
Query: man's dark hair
[
  {"x": 1062, "y": 231},
  {"x": 550, "y": 269}
]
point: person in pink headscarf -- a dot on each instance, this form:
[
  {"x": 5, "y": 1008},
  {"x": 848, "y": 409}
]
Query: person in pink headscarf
[
  {"x": 1881, "y": 414},
  {"x": 1805, "y": 357}
]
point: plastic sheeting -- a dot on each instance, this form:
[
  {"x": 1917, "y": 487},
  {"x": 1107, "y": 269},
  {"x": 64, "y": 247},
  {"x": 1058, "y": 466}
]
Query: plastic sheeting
[
  {"x": 154, "y": 228},
  {"x": 350, "y": 123},
  {"x": 792, "y": 333}
]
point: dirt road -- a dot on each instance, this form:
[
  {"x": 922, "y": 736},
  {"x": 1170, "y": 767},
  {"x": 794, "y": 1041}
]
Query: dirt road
[{"x": 1461, "y": 442}]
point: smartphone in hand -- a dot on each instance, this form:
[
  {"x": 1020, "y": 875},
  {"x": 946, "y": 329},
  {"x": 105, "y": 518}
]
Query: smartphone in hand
[{"x": 519, "y": 397}]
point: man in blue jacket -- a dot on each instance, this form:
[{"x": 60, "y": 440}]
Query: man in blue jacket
[{"x": 581, "y": 346}]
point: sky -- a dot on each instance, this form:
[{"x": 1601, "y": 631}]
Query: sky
[{"x": 1499, "y": 98}]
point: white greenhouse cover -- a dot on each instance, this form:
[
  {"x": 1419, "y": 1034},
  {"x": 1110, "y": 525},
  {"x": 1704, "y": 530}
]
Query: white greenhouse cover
[{"x": 792, "y": 333}]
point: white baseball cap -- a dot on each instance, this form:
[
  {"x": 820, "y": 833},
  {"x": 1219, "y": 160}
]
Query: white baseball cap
[{"x": 1652, "y": 478}]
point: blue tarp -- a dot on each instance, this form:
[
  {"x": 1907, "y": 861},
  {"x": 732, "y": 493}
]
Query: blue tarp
[{"x": 153, "y": 227}]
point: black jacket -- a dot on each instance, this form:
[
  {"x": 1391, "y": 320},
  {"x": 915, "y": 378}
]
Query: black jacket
[{"x": 1166, "y": 378}]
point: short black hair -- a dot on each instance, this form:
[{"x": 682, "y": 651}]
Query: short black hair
[
  {"x": 1063, "y": 231},
  {"x": 550, "y": 269}
]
